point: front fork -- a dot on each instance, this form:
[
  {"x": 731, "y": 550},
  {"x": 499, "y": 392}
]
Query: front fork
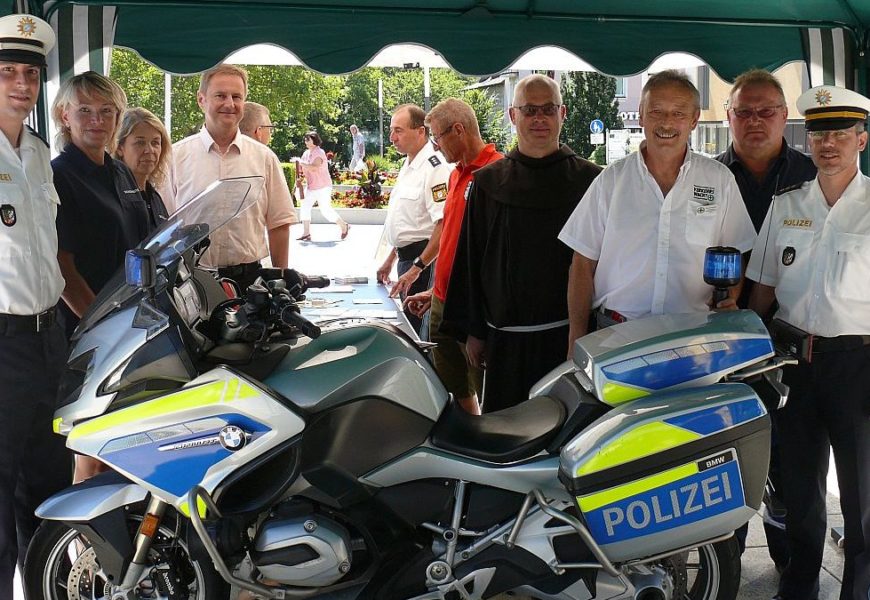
[{"x": 148, "y": 528}]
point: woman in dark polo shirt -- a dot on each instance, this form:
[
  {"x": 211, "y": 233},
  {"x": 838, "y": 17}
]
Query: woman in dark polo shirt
[
  {"x": 101, "y": 213},
  {"x": 144, "y": 146}
]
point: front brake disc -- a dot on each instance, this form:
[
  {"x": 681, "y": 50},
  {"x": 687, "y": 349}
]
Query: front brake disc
[{"x": 85, "y": 577}]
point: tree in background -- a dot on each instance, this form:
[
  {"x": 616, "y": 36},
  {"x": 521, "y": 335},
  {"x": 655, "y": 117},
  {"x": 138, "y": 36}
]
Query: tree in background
[
  {"x": 300, "y": 99},
  {"x": 588, "y": 96}
]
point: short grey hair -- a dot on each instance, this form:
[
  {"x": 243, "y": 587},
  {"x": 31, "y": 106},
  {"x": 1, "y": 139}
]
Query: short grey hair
[
  {"x": 254, "y": 116},
  {"x": 670, "y": 77},
  {"x": 537, "y": 81},
  {"x": 453, "y": 110}
]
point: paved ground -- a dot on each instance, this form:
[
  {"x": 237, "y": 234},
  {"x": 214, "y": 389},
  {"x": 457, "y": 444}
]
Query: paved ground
[{"x": 326, "y": 255}]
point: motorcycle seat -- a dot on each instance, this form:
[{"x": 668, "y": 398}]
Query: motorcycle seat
[{"x": 504, "y": 436}]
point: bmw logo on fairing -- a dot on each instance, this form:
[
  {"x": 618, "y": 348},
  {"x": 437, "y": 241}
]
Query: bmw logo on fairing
[{"x": 233, "y": 438}]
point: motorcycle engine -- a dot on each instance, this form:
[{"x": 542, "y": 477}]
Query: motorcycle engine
[{"x": 309, "y": 551}]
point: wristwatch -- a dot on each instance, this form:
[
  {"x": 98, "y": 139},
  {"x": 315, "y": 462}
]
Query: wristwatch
[{"x": 418, "y": 262}]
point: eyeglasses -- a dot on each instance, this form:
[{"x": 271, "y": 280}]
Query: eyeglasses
[
  {"x": 267, "y": 127},
  {"x": 435, "y": 138},
  {"x": 762, "y": 112},
  {"x": 531, "y": 110},
  {"x": 838, "y": 135}
]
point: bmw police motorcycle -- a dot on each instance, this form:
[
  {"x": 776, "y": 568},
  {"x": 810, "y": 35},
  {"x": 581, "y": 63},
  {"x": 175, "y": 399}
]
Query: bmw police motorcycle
[{"x": 252, "y": 450}]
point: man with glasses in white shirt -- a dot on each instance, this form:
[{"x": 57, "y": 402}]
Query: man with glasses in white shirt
[
  {"x": 509, "y": 280},
  {"x": 812, "y": 256},
  {"x": 640, "y": 233}
]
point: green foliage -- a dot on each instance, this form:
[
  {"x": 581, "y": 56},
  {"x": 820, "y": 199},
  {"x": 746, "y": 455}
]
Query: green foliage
[
  {"x": 599, "y": 155},
  {"x": 588, "y": 96},
  {"x": 490, "y": 117},
  {"x": 383, "y": 163},
  {"x": 289, "y": 169},
  {"x": 300, "y": 100}
]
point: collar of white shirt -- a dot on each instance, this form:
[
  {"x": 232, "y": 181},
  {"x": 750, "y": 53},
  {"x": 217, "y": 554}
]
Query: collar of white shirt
[{"x": 208, "y": 141}]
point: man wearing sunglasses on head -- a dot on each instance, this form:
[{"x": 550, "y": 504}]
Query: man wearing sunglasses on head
[{"x": 509, "y": 266}]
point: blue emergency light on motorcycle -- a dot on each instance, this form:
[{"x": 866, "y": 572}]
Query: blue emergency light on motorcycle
[
  {"x": 139, "y": 268},
  {"x": 722, "y": 270}
]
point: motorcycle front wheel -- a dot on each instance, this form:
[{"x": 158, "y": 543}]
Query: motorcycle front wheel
[{"x": 61, "y": 564}]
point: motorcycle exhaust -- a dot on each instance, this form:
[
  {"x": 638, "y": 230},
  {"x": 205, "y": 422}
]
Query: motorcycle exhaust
[{"x": 650, "y": 593}]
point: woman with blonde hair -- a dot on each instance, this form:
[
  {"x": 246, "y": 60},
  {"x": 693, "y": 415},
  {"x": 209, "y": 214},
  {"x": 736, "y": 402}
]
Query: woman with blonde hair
[
  {"x": 101, "y": 213},
  {"x": 144, "y": 146}
]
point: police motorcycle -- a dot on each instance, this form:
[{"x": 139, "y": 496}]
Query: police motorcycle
[{"x": 252, "y": 450}]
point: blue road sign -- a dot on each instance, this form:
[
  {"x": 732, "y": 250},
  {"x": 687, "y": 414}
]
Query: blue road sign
[{"x": 596, "y": 126}]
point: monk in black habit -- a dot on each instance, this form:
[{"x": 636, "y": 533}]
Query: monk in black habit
[{"x": 508, "y": 290}]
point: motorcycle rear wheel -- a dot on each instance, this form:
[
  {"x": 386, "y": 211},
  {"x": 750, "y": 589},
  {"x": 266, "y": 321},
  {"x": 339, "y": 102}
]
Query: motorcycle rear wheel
[
  {"x": 61, "y": 565},
  {"x": 710, "y": 572}
]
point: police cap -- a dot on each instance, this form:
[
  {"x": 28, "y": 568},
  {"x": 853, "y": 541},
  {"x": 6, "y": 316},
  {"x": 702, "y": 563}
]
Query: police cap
[
  {"x": 829, "y": 108},
  {"x": 25, "y": 39}
]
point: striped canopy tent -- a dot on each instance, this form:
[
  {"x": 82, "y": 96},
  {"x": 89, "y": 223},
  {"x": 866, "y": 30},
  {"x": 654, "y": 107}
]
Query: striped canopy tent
[{"x": 617, "y": 37}]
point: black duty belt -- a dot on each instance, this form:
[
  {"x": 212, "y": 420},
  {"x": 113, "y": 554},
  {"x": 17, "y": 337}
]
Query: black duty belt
[
  {"x": 242, "y": 270},
  {"x": 17, "y": 324},
  {"x": 412, "y": 250},
  {"x": 839, "y": 343}
]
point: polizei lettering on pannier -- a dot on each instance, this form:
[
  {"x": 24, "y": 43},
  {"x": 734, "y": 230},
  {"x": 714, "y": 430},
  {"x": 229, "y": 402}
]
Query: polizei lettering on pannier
[{"x": 714, "y": 488}]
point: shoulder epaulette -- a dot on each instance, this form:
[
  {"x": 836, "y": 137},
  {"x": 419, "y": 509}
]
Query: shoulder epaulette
[
  {"x": 37, "y": 136},
  {"x": 434, "y": 161}
]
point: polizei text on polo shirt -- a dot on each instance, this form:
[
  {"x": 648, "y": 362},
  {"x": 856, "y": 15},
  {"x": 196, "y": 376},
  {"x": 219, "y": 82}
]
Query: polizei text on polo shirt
[{"x": 716, "y": 488}]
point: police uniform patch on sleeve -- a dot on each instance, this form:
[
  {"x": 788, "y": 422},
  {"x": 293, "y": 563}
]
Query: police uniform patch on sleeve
[
  {"x": 439, "y": 192},
  {"x": 434, "y": 161}
]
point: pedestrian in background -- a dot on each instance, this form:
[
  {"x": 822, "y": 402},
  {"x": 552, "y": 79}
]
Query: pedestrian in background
[{"x": 318, "y": 187}]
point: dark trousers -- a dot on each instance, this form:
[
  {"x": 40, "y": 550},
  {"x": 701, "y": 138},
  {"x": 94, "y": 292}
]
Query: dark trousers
[
  {"x": 828, "y": 407},
  {"x": 517, "y": 361},
  {"x": 406, "y": 255},
  {"x": 34, "y": 462}
]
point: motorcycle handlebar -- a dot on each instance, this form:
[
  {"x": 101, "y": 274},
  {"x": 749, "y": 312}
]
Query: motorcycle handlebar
[
  {"x": 290, "y": 316},
  {"x": 315, "y": 281}
]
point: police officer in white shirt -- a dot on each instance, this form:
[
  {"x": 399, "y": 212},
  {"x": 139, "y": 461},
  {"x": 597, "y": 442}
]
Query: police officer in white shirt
[
  {"x": 640, "y": 232},
  {"x": 416, "y": 208},
  {"x": 813, "y": 257},
  {"x": 33, "y": 461}
]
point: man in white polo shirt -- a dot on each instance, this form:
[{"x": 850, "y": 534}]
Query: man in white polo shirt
[
  {"x": 640, "y": 232},
  {"x": 413, "y": 225}
]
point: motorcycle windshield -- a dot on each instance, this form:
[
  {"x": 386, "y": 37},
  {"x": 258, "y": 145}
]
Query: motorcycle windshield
[{"x": 221, "y": 202}]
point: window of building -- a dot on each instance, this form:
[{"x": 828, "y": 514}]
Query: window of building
[{"x": 620, "y": 87}]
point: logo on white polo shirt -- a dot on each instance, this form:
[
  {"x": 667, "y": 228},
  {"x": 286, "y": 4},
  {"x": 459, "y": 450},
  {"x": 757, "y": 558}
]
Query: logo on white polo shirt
[{"x": 705, "y": 194}]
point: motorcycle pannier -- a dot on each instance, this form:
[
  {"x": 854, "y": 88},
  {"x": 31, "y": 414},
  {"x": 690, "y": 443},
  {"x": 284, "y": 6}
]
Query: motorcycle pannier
[{"x": 670, "y": 470}]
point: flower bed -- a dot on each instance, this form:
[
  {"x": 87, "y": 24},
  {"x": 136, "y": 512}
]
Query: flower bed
[{"x": 355, "y": 198}]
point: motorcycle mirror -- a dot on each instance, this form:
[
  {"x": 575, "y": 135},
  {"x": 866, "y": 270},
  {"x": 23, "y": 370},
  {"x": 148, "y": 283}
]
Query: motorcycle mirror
[{"x": 140, "y": 268}]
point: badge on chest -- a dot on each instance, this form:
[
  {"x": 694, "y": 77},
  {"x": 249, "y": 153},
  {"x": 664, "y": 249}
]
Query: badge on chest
[
  {"x": 788, "y": 255},
  {"x": 7, "y": 215}
]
